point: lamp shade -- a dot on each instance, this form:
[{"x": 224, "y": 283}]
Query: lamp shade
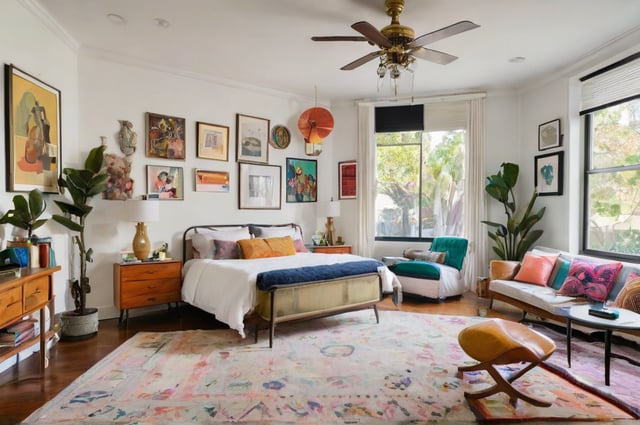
[
  {"x": 315, "y": 124},
  {"x": 141, "y": 211},
  {"x": 329, "y": 209}
]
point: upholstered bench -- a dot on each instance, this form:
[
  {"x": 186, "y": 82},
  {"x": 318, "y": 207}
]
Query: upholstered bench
[
  {"x": 501, "y": 342},
  {"x": 434, "y": 274}
]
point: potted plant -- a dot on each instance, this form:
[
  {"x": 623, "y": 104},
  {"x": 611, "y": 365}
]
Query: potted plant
[
  {"x": 82, "y": 185},
  {"x": 513, "y": 239},
  {"x": 25, "y": 213}
]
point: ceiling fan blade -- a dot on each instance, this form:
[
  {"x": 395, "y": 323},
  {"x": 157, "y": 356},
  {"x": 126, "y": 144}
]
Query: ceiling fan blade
[
  {"x": 372, "y": 34},
  {"x": 339, "y": 38},
  {"x": 445, "y": 32},
  {"x": 361, "y": 61},
  {"x": 433, "y": 55}
]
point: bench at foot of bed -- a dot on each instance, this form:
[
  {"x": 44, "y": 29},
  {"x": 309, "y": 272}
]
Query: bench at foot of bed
[{"x": 318, "y": 299}]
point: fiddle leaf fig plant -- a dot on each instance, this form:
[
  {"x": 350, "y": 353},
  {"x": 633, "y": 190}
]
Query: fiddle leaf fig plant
[
  {"x": 82, "y": 185},
  {"x": 513, "y": 238},
  {"x": 25, "y": 213}
]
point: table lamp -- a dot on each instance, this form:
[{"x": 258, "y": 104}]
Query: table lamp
[
  {"x": 142, "y": 212},
  {"x": 329, "y": 209}
]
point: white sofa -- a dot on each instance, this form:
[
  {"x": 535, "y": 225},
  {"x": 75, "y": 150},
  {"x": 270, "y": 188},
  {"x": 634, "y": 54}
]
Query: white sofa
[{"x": 544, "y": 301}]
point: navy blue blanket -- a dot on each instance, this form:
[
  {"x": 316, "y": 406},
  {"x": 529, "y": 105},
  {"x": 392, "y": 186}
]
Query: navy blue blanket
[{"x": 283, "y": 277}]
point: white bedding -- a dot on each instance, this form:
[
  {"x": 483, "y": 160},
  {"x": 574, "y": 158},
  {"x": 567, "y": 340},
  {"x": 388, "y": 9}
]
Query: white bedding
[{"x": 227, "y": 288}]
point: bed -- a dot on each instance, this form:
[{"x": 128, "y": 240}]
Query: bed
[{"x": 296, "y": 285}]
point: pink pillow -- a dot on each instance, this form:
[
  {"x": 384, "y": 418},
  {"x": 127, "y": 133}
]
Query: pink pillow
[
  {"x": 299, "y": 244},
  {"x": 592, "y": 280},
  {"x": 536, "y": 269},
  {"x": 226, "y": 250}
]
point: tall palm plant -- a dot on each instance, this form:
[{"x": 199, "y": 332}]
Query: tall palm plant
[{"x": 513, "y": 239}]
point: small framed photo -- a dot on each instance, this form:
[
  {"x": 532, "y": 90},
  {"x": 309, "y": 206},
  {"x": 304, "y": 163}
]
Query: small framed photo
[
  {"x": 213, "y": 141},
  {"x": 259, "y": 186},
  {"x": 212, "y": 181},
  {"x": 549, "y": 171},
  {"x": 347, "y": 180},
  {"x": 165, "y": 182},
  {"x": 165, "y": 136},
  {"x": 302, "y": 180},
  {"x": 33, "y": 133},
  {"x": 549, "y": 135},
  {"x": 252, "y": 137}
]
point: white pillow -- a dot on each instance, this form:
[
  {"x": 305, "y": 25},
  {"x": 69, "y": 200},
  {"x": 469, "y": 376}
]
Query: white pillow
[
  {"x": 202, "y": 240},
  {"x": 277, "y": 232}
]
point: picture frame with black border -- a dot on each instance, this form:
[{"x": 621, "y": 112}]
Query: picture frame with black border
[
  {"x": 549, "y": 174},
  {"x": 549, "y": 136}
]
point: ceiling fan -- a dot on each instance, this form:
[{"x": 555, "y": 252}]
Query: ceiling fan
[{"x": 398, "y": 45}]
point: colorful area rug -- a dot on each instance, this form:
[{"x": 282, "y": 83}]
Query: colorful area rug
[
  {"x": 340, "y": 370},
  {"x": 587, "y": 365}
]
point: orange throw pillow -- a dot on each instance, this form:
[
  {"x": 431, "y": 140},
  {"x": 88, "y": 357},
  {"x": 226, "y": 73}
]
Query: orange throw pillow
[
  {"x": 536, "y": 269},
  {"x": 281, "y": 246},
  {"x": 266, "y": 248}
]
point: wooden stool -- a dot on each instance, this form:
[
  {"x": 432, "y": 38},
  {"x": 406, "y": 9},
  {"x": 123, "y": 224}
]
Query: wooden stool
[{"x": 500, "y": 342}]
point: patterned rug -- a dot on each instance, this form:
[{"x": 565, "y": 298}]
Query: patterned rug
[{"x": 344, "y": 369}]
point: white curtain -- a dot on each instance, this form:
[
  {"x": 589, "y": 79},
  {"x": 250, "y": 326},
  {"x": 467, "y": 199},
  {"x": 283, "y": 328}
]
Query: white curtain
[
  {"x": 367, "y": 180},
  {"x": 476, "y": 262},
  {"x": 475, "y": 210}
]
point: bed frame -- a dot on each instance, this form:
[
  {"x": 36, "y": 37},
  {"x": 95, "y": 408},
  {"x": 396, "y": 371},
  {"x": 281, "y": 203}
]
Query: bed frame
[{"x": 307, "y": 300}]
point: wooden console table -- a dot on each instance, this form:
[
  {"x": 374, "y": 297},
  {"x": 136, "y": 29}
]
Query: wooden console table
[{"x": 23, "y": 295}]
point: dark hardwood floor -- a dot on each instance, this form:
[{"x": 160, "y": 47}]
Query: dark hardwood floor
[{"x": 68, "y": 360}]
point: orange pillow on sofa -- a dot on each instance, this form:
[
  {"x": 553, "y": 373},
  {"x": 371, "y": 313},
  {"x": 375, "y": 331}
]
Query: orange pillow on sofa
[{"x": 536, "y": 269}]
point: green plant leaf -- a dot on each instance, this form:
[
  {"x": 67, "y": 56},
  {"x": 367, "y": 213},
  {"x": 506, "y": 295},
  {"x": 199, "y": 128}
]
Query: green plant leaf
[{"x": 68, "y": 223}]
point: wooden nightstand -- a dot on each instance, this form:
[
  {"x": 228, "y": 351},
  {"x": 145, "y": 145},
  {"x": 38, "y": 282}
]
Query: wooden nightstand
[
  {"x": 330, "y": 249},
  {"x": 146, "y": 284}
]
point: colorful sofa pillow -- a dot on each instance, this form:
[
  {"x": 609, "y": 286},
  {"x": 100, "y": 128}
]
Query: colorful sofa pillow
[
  {"x": 559, "y": 274},
  {"x": 422, "y": 255},
  {"x": 591, "y": 280},
  {"x": 629, "y": 295},
  {"x": 536, "y": 269}
]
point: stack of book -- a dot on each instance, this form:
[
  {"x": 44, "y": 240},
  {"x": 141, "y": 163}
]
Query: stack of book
[{"x": 18, "y": 333}]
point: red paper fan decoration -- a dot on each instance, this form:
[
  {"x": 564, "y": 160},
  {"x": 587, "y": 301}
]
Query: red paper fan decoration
[{"x": 315, "y": 124}]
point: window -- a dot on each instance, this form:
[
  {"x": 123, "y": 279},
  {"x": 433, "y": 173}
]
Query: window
[
  {"x": 611, "y": 109},
  {"x": 612, "y": 188},
  {"x": 420, "y": 176}
]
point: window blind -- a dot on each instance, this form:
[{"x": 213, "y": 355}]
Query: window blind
[
  {"x": 391, "y": 119},
  {"x": 616, "y": 83}
]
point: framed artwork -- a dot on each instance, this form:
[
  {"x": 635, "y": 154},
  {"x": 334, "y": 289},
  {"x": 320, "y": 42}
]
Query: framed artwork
[
  {"x": 252, "y": 137},
  {"x": 302, "y": 180},
  {"x": 549, "y": 170},
  {"x": 213, "y": 141},
  {"x": 549, "y": 135},
  {"x": 347, "y": 180},
  {"x": 165, "y": 182},
  {"x": 259, "y": 186},
  {"x": 211, "y": 181},
  {"x": 33, "y": 133},
  {"x": 165, "y": 136}
]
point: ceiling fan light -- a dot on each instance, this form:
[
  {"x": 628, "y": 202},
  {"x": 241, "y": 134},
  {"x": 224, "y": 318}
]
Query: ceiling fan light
[
  {"x": 382, "y": 70},
  {"x": 394, "y": 73}
]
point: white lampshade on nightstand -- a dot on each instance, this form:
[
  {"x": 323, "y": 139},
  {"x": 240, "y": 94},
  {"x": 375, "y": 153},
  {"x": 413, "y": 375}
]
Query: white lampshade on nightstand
[
  {"x": 329, "y": 209},
  {"x": 141, "y": 212}
]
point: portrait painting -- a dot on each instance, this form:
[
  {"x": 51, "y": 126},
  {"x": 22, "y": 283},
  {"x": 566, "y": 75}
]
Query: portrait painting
[
  {"x": 165, "y": 182},
  {"x": 302, "y": 180}
]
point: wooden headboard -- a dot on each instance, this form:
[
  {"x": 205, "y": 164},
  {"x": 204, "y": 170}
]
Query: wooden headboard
[{"x": 186, "y": 236}]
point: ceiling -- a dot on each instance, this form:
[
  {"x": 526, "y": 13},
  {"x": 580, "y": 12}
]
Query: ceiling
[{"x": 267, "y": 43}]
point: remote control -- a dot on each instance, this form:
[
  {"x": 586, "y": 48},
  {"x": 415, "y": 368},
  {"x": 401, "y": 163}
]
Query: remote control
[{"x": 605, "y": 314}]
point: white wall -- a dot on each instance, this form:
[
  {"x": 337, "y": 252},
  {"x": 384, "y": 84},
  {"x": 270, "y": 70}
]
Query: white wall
[{"x": 32, "y": 47}]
